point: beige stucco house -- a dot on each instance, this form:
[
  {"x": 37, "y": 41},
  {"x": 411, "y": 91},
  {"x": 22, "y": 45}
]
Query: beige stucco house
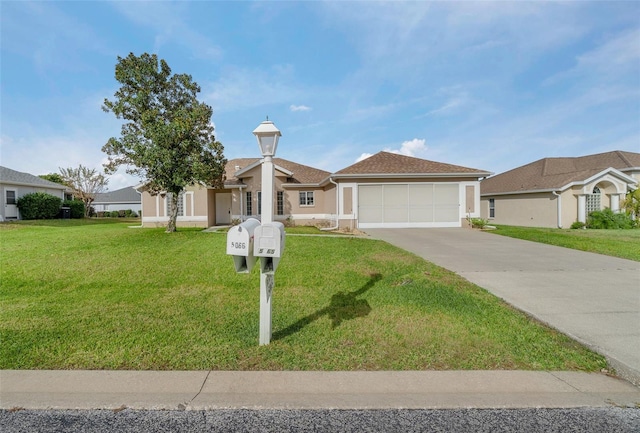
[
  {"x": 384, "y": 190},
  {"x": 556, "y": 192}
]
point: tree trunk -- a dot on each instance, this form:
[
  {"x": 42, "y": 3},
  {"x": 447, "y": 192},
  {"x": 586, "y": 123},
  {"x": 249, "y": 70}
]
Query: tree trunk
[{"x": 173, "y": 214}]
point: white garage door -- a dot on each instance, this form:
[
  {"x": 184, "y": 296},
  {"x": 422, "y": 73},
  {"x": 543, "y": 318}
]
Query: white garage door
[{"x": 409, "y": 205}]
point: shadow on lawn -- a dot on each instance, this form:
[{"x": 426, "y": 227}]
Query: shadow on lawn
[{"x": 343, "y": 306}]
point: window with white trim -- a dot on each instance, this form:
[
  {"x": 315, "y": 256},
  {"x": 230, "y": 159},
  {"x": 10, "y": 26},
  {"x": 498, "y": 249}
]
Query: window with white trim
[
  {"x": 306, "y": 198},
  {"x": 11, "y": 196},
  {"x": 593, "y": 200},
  {"x": 180, "y": 203},
  {"x": 492, "y": 208},
  {"x": 280, "y": 203},
  {"x": 249, "y": 204}
]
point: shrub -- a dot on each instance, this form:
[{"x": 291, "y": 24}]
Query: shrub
[
  {"x": 76, "y": 207},
  {"x": 39, "y": 205},
  {"x": 114, "y": 214},
  {"x": 478, "y": 223},
  {"x": 578, "y": 225},
  {"x": 607, "y": 219},
  {"x": 122, "y": 213}
]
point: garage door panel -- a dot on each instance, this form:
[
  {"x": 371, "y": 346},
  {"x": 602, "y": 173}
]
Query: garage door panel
[
  {"x": 370, "y": 195},
  {"x": 446, "y": 194},
  {"x": 421, "y": 194},
  {"x": 421, "y": 214},
  {"x": 395, "y": 195}
]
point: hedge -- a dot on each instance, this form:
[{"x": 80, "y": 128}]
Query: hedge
[{"x": 39, "y": 205}]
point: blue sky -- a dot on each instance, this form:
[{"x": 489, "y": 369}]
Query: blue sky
[{"x": 488, "y": 85}]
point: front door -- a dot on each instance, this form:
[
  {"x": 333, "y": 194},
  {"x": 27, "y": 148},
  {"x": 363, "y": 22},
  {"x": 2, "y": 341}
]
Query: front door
[
  {"x": 223, "y": 208},
  {"x": 10, "y": 200}
]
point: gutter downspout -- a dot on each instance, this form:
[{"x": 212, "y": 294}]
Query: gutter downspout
[
  {"x": 337, "y": 207},
  {"x": 559, "y": 211}
]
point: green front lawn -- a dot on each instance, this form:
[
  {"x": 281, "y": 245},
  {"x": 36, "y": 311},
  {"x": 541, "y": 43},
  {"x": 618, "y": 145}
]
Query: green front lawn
[
  {"x": 77, "y": 295},
  {"x": 617, "y": 243}
]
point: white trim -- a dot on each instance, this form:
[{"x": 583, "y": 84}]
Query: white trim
[
  {"x": 410, "y": 175},
  {"x": 164, "y": 219}
]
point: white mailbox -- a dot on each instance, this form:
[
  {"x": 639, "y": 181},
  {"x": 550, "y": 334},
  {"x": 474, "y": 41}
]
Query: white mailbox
[
  {"x": 268, "y": 245},
  {"x": 240, "y": 242}
]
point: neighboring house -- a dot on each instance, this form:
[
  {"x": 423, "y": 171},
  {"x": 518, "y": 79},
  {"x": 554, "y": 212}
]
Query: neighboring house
[
  {"x": 556, "y": 192},
  {"x": 384, "y": 190},
  {"x": 15, "y": 184},
  {"x": 120, "y": 199}
]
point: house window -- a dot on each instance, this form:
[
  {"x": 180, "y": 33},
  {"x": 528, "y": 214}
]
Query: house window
[
  {"x": 306, "y": 198},
  {"x": 280, "y": 203},
  {"x": 249, "y": 204},
  {"x": 593, "y": 201},
  {"x": 259, "y": 202},
  {"x": 11, "y": 196},
  {"x": 492, "y": 208},
  {"x": 180, "y": 203}
]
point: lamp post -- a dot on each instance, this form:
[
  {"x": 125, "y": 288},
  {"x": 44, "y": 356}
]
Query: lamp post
[{"x": 267, "y": 135}]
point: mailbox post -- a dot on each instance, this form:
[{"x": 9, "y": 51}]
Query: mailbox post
[{"x": 269, "y": 237}]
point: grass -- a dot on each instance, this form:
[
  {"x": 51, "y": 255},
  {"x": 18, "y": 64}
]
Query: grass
[
  {"x": 79, "y": 295},
  {"x": 618, "y": 243}
]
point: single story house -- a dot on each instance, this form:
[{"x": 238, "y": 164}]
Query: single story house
[
  {"x": 384, "y": 190},
  {"x": 15, "y": 184},
  {"x": 556, "y": 192},
  {"x": 120, "y": 199}
]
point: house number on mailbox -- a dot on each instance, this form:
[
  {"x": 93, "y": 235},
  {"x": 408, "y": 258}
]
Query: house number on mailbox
[{"x": 238, "y": 245}]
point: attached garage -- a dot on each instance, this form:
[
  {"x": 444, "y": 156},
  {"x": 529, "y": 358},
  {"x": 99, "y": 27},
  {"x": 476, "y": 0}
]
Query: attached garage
[
  {"x": 409, "y": 205},
  {"x": 388, "y": 190}
]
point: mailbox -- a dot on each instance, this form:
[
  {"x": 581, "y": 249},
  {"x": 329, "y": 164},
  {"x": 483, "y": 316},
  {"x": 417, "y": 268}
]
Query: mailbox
[
  {"x": 268, "y": 245},
  {"x": 240, "y": 241}
]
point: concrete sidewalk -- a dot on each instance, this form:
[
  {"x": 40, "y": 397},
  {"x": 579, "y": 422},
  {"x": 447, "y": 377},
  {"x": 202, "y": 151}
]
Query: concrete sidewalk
[
  {"x": 593, "y": 298},
  {"x": 202, "y": 390}
]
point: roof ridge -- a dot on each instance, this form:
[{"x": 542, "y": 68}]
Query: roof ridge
[{"x": 624, "y": 158}]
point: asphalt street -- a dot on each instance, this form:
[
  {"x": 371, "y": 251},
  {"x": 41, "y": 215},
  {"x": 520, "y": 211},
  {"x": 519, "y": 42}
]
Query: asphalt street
[{"x": 582, "y": 420}]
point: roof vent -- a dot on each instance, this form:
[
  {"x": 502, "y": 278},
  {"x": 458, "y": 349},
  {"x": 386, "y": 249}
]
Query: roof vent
[{"x": 237, "y": 167}]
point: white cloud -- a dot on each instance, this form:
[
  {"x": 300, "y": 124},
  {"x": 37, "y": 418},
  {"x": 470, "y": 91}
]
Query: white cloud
[
  {"x": 364, "y": 156},
  {"x": 299, "y": 108},
  {"x": 416, "y": 147},
  {"x": 413, "y": 147}
]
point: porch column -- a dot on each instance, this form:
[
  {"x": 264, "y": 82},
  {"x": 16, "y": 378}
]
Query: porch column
[
  {"x": 582, "y": 208},
  {"x": 615, "y": 202}
]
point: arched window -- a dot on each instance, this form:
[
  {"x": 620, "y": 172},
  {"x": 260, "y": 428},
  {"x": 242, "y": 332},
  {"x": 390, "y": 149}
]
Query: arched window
[{"x": 593, "y": 200}]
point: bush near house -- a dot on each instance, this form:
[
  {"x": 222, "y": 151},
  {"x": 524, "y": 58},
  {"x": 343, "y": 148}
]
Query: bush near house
[
  {"x": 607, "y": 219},
  {"x": 39, "y": 205},
  {"x": 76, "y": 207}
]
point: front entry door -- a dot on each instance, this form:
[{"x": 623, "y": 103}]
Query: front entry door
[
  {"x": 10, "y": 207},
  {"x": 223, "y": 208}
]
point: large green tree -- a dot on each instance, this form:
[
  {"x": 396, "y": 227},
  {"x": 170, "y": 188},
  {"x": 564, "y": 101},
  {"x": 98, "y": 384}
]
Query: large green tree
[{"x": 167, "y": 137}]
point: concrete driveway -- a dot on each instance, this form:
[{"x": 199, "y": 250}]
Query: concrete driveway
[{"x": 593, "y": 298}]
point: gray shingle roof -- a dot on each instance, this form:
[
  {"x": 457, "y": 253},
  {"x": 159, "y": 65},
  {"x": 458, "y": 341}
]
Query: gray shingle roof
[
  {"x": 8, "y": 175},
  {"x": 123, "y": 195},
  {"x": 555, "y": 173}
]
